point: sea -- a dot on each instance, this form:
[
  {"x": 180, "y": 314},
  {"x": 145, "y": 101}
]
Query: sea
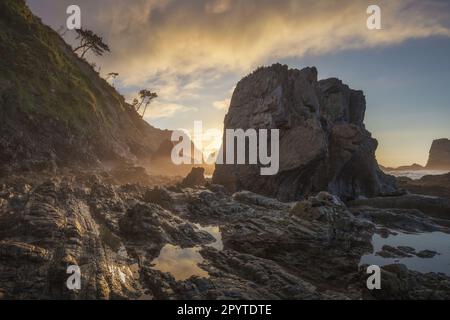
[{"x": 416, "y": 174}]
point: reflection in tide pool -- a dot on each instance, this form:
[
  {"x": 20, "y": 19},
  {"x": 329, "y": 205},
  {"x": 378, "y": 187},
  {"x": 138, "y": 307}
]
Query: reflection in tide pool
[
  {"x": 183, "y": 264},
  {"x": 180, "y": 263},
  {"x": 435, "y": 241}
]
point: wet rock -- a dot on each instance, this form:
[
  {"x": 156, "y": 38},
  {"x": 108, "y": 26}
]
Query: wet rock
[
  {"x": 407, "y": 220},
  {"x": 433, "y": 206},
  {"x": 217, "y": 188},
  {"x": 158, "y": 196},
  {"x": 305, "y": 250},
  {"x": 407, "y": 249},
  {"x": 399, "y": 283},
  {"x": 391, "y": 252},
  {"x": 427, "y": 254},
  {"x": 323, "y": 206},
  {"x": 148, "y": 222},
  {"x": 23, "y": 251},
  {"x": 258, "y": 200}
]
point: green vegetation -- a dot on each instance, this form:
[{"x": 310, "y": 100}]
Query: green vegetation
[
  {"x": 89, "y": 41},
  {"x": 146, "y": 97},
  {"x": 39, "y": 73}
]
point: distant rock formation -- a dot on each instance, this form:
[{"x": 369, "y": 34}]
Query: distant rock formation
[
  {"x": 413, "y": 167},
  {"x": 439, "y": 158},
  {"x": 161, "y": 161},
  {"x": 324, "y": 145},
  {"x": 195, "y": 178}
]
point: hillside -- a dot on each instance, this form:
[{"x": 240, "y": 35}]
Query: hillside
[{"x": 54, "y": 106}]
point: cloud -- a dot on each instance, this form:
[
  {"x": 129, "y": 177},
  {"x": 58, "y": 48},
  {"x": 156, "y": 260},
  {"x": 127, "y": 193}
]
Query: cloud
[
  {"x": 218, "y": 6},
  {"x": 222, "y": 104},
  {"x": 160, "y": 110},
  {"x": 151, "y": 38}
]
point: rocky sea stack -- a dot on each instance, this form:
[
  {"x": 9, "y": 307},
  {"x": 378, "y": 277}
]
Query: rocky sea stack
[
  {"x": 439, "y": 155},
  {"x": 324, "y": 144}
]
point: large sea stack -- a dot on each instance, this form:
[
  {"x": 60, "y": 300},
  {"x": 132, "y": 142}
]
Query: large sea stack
[
  {"x": 439, "y": 155},
  {"x": 324, "y": 144}
]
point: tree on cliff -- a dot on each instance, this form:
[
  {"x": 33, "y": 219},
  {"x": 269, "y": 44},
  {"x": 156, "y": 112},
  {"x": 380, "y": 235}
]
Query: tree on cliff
[
  {"x": 90, "y": 41},
  {"x": 146, "y": 97},
  {"x": 113, "y": 76}
]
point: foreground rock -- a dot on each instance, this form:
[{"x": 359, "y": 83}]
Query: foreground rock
[
  {"x": 433, "y": 206},
  {"x": 323, "y": 141},
  {"x": 240, "y": 246},
  {"x": 432, "y": 185},
  {"x": 399, "y": 283},
  {"x": 405, "y": 252}
]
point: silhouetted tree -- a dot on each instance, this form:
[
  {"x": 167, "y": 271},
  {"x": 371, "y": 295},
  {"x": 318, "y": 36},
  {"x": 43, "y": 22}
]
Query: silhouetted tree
[
  {"x": 135, "y": 103},
  {"x": 90, "y": 41},
  {"x": 112, "y": 75},
  {"x": 146, "y": 98}
]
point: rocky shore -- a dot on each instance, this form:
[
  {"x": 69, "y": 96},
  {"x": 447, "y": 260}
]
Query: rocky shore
[
  {"x": 433, "y": 185},
  {"x": 130, "y": 241},
  {"x": 133, "y": 235}
]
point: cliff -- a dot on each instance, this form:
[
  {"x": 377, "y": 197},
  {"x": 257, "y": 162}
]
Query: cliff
[{"x": 54, "y": 107}]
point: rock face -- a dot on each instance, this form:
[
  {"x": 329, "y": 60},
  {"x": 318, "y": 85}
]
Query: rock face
[
  {"x": 323, "y": 141},
  {"x": 439, "y": 155},
  {"x": 60, "y": 110}
]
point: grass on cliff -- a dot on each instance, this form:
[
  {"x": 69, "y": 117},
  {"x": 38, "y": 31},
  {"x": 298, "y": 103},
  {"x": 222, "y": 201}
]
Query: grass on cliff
[{"x": 39, "y": 74}]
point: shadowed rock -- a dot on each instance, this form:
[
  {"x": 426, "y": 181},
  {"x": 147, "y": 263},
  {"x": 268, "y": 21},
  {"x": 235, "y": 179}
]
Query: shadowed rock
[
  {"x": 433, "y": 206},
  {"x": 196, "y": 178},
  {"x": 439, "y": 155},
  {"x": 432, "y": 185},
  {"x": 323, "y": 141}
]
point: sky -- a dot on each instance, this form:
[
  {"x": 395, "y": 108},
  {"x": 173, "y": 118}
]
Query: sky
[{"x": 193, "y": 52}]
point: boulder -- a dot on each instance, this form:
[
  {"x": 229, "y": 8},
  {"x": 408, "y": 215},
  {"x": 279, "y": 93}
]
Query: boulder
[{"x": 323, "y": 141}]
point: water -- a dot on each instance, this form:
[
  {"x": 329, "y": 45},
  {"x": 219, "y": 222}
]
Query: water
[
  {"x": 435, "y": 241},
  {"x": 215, "y": 232},
  {"x": 184, "y": 263},
  {"x": 416, "y": 174}
]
